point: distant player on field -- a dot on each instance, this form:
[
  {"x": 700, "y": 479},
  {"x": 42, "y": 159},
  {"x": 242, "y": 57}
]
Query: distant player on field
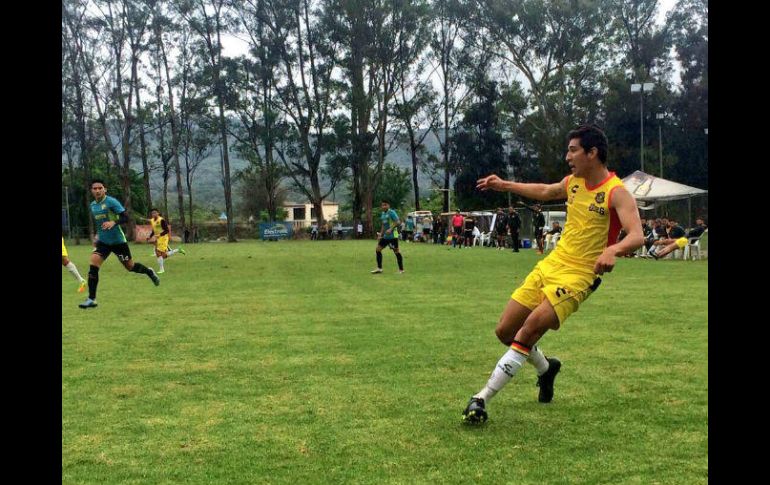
[
  {"x": 388, "y": 236},
  {"x": 597, "y": 206},
  {"x": 108, "y": 214},
  {"x": 162, "y": 234},
  {"x": 65, "y": 261}
]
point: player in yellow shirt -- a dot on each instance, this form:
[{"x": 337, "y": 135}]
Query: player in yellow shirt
[
  {"x": 598, "y": 205},
  {"x": 65, "y": 261},
  {"x": 162, "y": 234}
]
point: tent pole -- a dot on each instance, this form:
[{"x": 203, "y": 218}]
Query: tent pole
[{"x": 689, "y": 211}]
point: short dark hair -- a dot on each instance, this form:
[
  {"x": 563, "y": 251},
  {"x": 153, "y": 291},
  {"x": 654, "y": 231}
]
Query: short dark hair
[
  {"x": 385, "y": 201},
  {"x": 96, "y": 181},
  {"x": 591, "y": 136},
  {"x": 154, "y": 209}
]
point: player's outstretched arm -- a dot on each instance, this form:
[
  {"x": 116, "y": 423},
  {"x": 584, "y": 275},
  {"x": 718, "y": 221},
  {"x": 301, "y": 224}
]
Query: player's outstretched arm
[
  {"x": 530, "y": 191},
  {"x": 625, "y": 206}
]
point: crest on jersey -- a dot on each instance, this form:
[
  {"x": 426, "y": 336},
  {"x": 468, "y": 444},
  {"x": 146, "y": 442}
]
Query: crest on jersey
[
  {"x": 574, "y": 189},
  {"x": 600, "y": 197},
  {"x": 104, "y": 206}
]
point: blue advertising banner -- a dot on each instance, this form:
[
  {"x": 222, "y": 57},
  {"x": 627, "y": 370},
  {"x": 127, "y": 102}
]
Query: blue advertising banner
[{"x": 275, "y": 230}]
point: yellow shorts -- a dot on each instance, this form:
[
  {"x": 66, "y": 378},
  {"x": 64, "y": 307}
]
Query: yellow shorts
[
  {"x": 564, "y": 286},
  {"x": 682, "y": 242},
  {"x": 63, "y": 249},
  {"x": 161, "y": 244}
]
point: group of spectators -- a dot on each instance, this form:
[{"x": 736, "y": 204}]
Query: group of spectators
[
  {"x": 665, "y": 235},
  {"x": 322, "y": 231}
]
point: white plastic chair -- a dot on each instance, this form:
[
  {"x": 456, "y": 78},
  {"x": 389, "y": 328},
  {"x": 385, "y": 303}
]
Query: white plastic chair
[
  {"x": 693, "y": 247},
  {"x": 482, "y": 239},
  {"x": 552, "y": 241}
]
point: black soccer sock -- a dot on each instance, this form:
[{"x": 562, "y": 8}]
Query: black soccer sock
[
  {"x": 140, "y": 268},
  {"x": 400, "y": 260},
  {"x": 93, "y": 281},
  {"x": 379, "y": 259}
]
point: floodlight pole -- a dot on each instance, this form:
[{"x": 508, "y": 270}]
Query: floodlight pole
[
  {"x": 660, "y": 116},
  {"x": 642, "y": 88}
]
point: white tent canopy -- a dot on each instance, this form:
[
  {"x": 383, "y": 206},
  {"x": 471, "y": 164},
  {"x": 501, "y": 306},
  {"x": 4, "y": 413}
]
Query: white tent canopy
[{"x": 648, "y": 188}]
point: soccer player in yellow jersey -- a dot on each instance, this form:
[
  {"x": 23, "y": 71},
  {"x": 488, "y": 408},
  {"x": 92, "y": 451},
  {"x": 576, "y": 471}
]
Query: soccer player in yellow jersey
[
  {"x": 598, "y": 205},
  {"x": 162, "y": 234},
  {"x": 65, "y": 261}
]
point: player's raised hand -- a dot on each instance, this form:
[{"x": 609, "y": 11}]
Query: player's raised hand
[{"x": 490, "y": 182}]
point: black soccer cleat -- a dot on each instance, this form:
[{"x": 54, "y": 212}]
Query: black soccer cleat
[
  {"x": 154, "y": 277},
  {"x": 475, "y": 413},
  {"x": 545, "y": 382}
]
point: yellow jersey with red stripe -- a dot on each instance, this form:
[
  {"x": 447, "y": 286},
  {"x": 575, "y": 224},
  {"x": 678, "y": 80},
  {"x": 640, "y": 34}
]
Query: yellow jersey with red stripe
[
  {"x": 157, "y": 225},
  {"x": 591, "y": 224}
]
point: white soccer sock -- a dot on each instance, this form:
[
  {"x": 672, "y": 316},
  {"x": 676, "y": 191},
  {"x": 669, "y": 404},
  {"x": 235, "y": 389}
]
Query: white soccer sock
[
  {"x": 172, "y": 252},
  {"x": 74, "y": 271},
  {"x": 160, "y": 263},
  {"x": 537, "y": 359},
  {"x": 506, "y": 368}
]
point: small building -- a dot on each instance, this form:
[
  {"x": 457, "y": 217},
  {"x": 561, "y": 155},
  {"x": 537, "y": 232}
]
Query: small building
[{"x": 303, "y": 215}]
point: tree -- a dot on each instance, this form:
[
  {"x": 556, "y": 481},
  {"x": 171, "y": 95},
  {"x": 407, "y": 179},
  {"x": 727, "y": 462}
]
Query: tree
[
  {"x": 197, "y": 130},
  {"x": 255, "y": 194},
  {"x": 378, "y": 38},
  {"x": 553, "y": 45},
  {"x": 74, "y": 105},
  {"x": 161, "y": 23},
  {"x": 448, "y": 54},
  {"x": 394, "y": 187},
  {"x": 414, "y": 106},
  {"x": 259, "y": 128},
  {"x": 689, "y": 24},
  {"x": 289, "y": 30},
  {"x": 478, "y": 147},
  {"x": 209, "y": 19}
]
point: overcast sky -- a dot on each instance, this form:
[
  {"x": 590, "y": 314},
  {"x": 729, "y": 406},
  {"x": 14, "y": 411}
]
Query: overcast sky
[{"x": 234, "y": 46}]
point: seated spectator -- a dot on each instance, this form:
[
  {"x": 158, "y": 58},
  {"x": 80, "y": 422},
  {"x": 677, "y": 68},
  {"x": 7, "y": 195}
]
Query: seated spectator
[
  {"x": 555, "y": 229},
  {"x": 648, "y": 234},
  {"x": 476, "y": 233},
  {"x": 673, "y": 232},
  {"x": 659, "y": 227},
  {"x": 670, "y": 244}
]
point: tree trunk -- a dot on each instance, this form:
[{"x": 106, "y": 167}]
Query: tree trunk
[
  {"x": 188, "y": 180},
  {"x": 446, "y": 159},
  {"x": 143, "y": 151},
  {"x": 174, "y": 136},
  {"x": 226, "y": 168},
  {"x": 413, "y": 149},
  {"x": 85, "y": 150}
]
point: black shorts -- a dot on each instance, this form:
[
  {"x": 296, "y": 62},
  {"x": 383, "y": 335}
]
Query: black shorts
[
  {"x": 458, "y": 230},
  {"x": 121, "y": 250},
  {"x": 393, "y": 243}
]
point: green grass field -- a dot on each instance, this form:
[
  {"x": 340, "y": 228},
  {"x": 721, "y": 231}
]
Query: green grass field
[{"x": 287, "y": 362}]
